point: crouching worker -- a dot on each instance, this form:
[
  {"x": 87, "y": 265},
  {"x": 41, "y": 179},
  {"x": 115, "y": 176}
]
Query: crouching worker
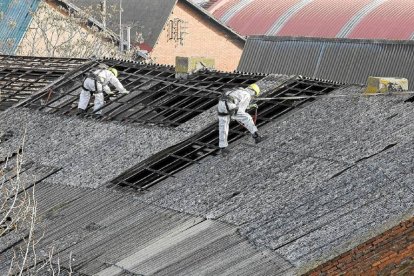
[
  {"x": 232, "y": 106},
  {"x": 97, "y": 83}
]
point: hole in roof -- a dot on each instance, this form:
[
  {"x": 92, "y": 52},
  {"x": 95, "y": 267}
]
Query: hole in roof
[
  {"x": 174, "y": 159},
  {"x": 156, "y": 96},
  {"x": 6, "y": 136},
  {"x": 409, "y": 100}
]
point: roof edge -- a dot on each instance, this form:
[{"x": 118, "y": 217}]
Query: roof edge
[
  {"x": 149, "y": 48},
  {"x": 321, "y": 39},
  {"x": 209, "y": 17}
]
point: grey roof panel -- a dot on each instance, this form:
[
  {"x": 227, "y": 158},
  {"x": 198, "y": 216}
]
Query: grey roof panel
[
  {"x": 205, "y": 239},
  {"x": 343, "y": 60},
  {"x": 110, "y": 233},
  {"x": 89, "y": 153},
  {"x": 326, "y": 172}
]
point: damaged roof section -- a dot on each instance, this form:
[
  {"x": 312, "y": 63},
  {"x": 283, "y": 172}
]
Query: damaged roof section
[
  {"x": 330, "y": 176},
  {"x": 290, "y": 93},
  {"x": 156, "y": 96},
  {"x": 21, "y": 77}
]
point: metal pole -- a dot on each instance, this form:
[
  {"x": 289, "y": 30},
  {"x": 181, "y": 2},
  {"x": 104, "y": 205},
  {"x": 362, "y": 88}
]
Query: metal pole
[
  {"x": 121, "y": 37},
  {"x": 103, "y": 11},
  {"x": 128, "y": 38}
]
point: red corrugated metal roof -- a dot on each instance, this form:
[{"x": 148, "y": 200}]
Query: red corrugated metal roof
[
  {"x": 321, "y": 18},
  {"x": 374, "y": 19},
  {"x": 266, "y": 12},
  {"x": 220, "y": 8},
  {"x": 392, "y": 20}
]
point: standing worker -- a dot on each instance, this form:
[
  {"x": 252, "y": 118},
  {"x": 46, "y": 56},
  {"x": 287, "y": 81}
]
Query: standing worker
[
  {"x": 96, "y": 83},
  {"x": 233, "y": 105}
]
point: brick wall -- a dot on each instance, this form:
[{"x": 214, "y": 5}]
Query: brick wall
[
  {"x": 200, "y": 38},
  {"x": 391, "y": 253}
]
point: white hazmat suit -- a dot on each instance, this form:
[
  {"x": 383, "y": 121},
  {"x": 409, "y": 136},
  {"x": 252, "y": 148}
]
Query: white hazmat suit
[
  {"x": 97, "y": 86},
  {"x": 238, "y": 101}
]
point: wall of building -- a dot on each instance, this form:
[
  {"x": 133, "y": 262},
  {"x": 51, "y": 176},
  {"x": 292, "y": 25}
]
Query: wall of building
[
  {"x": 187, "y": 34},
  {"x": 53, "y": 34},
  {"x": 391, "y": 253},
  {"x": 15, "y": 16}
]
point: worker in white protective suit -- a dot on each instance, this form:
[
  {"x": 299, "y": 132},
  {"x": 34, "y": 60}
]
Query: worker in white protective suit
[
  {"x": 97, "y": 83},
  {"x": 232, "y": 106}
]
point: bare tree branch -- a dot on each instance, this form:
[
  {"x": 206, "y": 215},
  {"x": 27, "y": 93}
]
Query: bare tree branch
[{"x": 63, "y": 33}]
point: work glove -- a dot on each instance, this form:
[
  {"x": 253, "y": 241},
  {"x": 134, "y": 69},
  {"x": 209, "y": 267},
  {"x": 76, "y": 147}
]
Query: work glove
[{"x": 252, "y": 106}]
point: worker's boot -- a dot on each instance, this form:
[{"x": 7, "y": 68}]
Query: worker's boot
[
  {"x": 81, "y": 112},
  {"x": 257, "y": 138},
  {"x": 224, "y": 152},
  {"x": 97, "y": 116}
]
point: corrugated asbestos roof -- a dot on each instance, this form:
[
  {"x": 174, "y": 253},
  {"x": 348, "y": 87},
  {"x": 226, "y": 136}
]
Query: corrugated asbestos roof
[
  {"x": 90, "y": 154},
  {"x": 109, "y": 233},
  {"x": 332, "y": 173},
  {"x": 342, "y": 60},
  {"x": 373, "y": 19},
  {"x": 15, "y": 17}
]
